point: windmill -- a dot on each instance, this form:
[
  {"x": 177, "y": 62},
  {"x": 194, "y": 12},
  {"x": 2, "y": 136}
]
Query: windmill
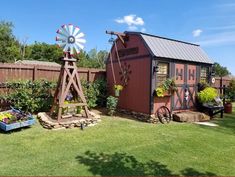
[{"x": 69, "y": 92}]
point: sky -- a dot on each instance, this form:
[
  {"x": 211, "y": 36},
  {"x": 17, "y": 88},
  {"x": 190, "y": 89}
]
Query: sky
[{"x": 209, "y": 23}]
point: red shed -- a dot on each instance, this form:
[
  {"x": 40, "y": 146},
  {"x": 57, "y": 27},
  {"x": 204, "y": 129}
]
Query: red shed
[{"x": 147, "y": 60}]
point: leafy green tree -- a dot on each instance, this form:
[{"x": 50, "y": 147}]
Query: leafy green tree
[
  {"x": 44, "y": 52},
  {"x": 9, "y": 46},
  {"x": 92, "y": 59},
  {"x": 221, "y": 71}
]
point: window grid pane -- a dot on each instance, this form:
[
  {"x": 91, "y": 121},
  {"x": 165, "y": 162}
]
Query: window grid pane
[
  {"x": 204, "y": 74},
  {"x": 162, "y": 74}
]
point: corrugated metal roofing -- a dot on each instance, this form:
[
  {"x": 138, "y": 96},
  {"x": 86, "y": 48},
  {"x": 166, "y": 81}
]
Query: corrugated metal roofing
[{"x": 174, "y": 49}]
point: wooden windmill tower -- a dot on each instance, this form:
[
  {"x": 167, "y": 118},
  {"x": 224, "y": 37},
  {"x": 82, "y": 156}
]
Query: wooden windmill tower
[{"x": 70, "y": 39}]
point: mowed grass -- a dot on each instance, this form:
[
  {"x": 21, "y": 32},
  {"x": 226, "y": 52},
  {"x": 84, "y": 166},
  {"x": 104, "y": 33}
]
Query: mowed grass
[{"x": 118, "y": 146}]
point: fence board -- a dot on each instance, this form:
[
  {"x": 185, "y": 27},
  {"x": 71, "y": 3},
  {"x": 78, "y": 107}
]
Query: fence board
[{"x": 10, "y": 72}]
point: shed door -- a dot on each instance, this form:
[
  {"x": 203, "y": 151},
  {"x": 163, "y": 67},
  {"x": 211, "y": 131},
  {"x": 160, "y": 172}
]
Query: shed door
[{"x": 185, "y": 78}]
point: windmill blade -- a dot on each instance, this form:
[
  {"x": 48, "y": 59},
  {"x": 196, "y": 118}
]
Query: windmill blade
[
  {"x": 81, "y": 40},
  {"x": 71, "y": 50},
  {"x": 79, "y": 46},
  {"x": 59, "y": 38},
  {"x": 70, "y": 28},
  {"x": 76, "y": 30},
  {"x": 79, "y": 35},
  {"x": 62, "y": 36},
  {"x": 66, "y": 47},
  {"x": 77, "y": 49},
  {"x": 61, "y": 45},
  {"x": 65, "y": 30},
  {"x": 61, "y": 32}
]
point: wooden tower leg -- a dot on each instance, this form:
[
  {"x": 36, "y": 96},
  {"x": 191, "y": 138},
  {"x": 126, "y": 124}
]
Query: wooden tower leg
[
  {"x": 68, "y": 79},
  {"x": 57, "y": 92}
]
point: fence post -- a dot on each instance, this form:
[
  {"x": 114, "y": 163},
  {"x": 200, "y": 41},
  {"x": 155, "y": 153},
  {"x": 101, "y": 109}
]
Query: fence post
[
  {"x": 221, "y": 85},
  {"x": 89, "y": 75},
  {"x": 224, "y": 90},
  {"x": 35, "y": 70}
]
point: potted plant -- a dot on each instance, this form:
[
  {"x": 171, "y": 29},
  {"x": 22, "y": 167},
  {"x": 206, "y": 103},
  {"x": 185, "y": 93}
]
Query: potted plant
[
  {"x": 228, "y": 106},
  {"x": 166, "y": 88},
  {"x": 13, "y": 119},
  {"x": 117, "y": 89}
]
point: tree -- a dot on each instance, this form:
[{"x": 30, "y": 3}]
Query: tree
[
  {"x": 9, "y": 46},
  {"x": 92, "y": 59},
  {"x": 221, "y": 71},
  {"x": 43, "y": 52}
]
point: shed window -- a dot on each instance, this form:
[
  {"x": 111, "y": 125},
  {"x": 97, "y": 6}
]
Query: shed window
[
  {"x": 204, "y": 74},
  {"x": 163, "y": 72}
]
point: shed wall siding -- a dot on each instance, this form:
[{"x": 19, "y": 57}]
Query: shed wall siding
[{"x": 136, "y": 95}]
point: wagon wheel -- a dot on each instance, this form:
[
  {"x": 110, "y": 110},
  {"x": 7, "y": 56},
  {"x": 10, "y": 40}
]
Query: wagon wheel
[{"x": 163, "y": 114}]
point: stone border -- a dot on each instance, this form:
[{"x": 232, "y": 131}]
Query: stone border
[
  {"x": 140, "y": 116},
  {"x": 48, "y": 123}
]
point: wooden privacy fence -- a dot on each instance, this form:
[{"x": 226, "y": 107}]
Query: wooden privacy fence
[{"x": 12, "y": 72}]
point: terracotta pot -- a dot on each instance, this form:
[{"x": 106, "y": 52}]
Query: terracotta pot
[{"x": 228, "y": 107}]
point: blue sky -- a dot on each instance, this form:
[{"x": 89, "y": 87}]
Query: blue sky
[{"x": 210, "y": 23}]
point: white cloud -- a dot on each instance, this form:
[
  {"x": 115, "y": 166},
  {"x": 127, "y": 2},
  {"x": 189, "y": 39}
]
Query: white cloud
[
  {"x": 131, "y": 20},
  {"x": 197, "y": 32}
]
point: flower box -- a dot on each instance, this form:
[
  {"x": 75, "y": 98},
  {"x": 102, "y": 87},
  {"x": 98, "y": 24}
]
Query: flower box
[{"x": 27, "y": 121}]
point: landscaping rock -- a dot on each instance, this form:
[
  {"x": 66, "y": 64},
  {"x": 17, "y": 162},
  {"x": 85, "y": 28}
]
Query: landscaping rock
[
  {"x": 141, "y": 116},
  {"x": 190, "y": 116},
  {"x": 47, "y": 122}
]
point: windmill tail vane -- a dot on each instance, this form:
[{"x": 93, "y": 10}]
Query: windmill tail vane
[{"x": 70, "y": 39}]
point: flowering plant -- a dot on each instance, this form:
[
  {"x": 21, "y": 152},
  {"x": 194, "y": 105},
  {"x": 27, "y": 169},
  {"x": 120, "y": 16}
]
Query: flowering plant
[
  {"x": 118, "y": 87},
  {"x": 167, "y": 86}
]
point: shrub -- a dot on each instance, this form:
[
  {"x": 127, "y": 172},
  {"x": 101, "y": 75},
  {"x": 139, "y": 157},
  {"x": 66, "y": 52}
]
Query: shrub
[
  {"x": 30, "y": 96},
  {"x": 36, "y": 96},
  {"x": 207, "y": 95},
  {"x": 230, "y": 91},
  {"x": 112, "y": 105},
  {"x": 95, "y": 93}
]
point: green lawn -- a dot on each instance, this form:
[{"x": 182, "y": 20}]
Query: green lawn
[{"x": 118, "y": 146}]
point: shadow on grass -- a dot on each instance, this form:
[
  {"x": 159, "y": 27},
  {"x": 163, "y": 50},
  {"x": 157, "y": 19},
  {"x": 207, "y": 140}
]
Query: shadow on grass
[
  {"x": 126, "y": 165},
  {"x": 193, "y": 172}
]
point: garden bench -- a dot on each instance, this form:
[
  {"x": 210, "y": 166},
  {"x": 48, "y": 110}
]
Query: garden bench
[{"x": 213, "y": 110}]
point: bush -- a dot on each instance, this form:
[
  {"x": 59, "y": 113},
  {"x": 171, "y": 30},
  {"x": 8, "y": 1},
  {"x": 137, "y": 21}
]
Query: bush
[
  {"x": 207, "y": 95},
  {"x": 112, "y": 105},
  {"x": 36, "y": 96},
  {"x": 30, "y": 96},
  {"x": 95, "y": 93},
  {"x": 230, "y": 91}
]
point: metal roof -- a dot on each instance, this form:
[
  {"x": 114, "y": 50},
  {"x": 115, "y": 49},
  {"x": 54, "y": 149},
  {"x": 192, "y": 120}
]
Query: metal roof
[{"x": 174, "y": 49}]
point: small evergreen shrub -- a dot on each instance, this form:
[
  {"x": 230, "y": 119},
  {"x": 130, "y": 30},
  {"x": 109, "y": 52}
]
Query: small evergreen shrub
[{"x": 112, "y": 105}]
